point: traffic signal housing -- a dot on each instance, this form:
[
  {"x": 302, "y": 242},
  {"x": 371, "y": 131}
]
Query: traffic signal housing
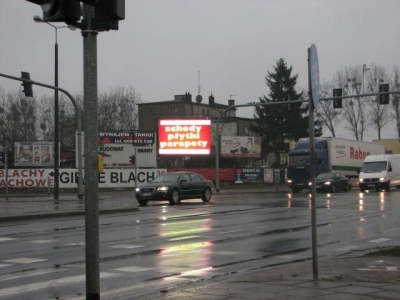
[
  {"x": 107, "y": 13},
  {"x": 384, "y": 88},
  {"x": 28, "y": 91},
  {"x": 68, "y": 11},
  {"x": 337, "y": 103}
]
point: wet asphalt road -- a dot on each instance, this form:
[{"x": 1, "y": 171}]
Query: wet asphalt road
[{"x": 162, "y": 245}]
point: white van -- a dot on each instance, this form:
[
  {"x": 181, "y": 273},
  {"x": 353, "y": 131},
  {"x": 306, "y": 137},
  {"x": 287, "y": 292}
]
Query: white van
[{"x": 380, "y": 172}]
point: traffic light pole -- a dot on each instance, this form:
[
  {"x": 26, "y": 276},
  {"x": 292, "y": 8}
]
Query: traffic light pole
[{"x": 91, "y": 151}]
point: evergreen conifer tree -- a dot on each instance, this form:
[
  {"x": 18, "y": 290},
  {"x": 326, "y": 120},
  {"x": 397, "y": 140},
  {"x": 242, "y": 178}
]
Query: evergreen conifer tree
[{"x": 277, "y": 124}]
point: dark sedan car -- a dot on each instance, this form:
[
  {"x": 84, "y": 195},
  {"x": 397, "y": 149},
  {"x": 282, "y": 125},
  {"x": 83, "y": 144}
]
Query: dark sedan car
[
  {"x": 174, "y": 187},
  {"x": 332, "y": 182}
]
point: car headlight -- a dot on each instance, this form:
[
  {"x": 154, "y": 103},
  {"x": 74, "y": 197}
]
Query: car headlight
[
  {"x": 289, "y": 181},
  {"x": 327, "y": 183},
  {"x": 137, "y": 190},
  {"x": 162, "y": 188},
  {"x": 382, "y": 179},
  {"x": 361, "y": 180}
]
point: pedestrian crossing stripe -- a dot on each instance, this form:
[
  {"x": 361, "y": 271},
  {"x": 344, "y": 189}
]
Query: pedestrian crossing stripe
[{"x": 24, "y": 260}]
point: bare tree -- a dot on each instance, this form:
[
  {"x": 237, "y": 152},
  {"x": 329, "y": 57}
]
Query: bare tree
[
  {"x": 66, "y": 120},
  {"x": 355, "y": 108},
  {"x": 379, "y": 115},
  {"x": 21, "y": 117},
  {"x": 46, "y": 118},
  {"x": 118, "y": 109},
  {"x": 329, "y": 117},
  {"x": 395, "y": 85}
]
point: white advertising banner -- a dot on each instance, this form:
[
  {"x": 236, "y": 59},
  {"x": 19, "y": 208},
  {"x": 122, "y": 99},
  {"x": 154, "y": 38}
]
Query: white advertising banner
[
  {"x": 34, "y": 154},
  {"x": 110, "y": 178},
  {"x": 241, "y": 146}
]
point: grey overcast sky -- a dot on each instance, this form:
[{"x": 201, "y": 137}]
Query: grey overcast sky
[{"x": 162, "y": 45}]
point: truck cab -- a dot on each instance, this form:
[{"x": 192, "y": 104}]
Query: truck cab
[{"x": 298, "y": 164}]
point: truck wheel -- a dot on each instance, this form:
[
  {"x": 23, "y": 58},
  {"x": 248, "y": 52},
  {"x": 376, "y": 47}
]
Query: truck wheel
[
  {"x": 362, "y": 190},
  {"x": 333, "y": 189},
  {"x": 387, "y": 189},
  {"x": 347, "y": 188}
]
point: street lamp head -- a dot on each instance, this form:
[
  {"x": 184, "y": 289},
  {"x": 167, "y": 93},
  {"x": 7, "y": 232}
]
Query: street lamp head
[{"x": 37, "y": 19}]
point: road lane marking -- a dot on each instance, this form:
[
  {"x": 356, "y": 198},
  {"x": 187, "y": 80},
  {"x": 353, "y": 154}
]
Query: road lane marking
[
  {"x": 287, "y": 256},
  {"x": 133, "y": 269},
  {"x": 268, "y": 226},
  {"x": 6, "y": 277},
  {"x": 126, "y": 246},
  {"x": 42, "y": 241},
  {"x": 75, "y": 244},
  {"x": 6, "y": 239},
  {"x": 381, "y": 240},
  {"x": 394, "y": 229},
  {"x": 232, "y": 231},
  {"x": 184, "y": 238},
  {"x": 4, "y": 265},
  {"x": 379, "y": 268},
  {"x": 24, "y": 260},
  {"x": 226, "y": 252}
]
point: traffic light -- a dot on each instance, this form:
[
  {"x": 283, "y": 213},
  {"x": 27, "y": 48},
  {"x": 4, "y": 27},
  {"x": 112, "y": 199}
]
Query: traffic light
[
  {"x": 27, "y": 85},
  {"x": 132, "y": 159},
  {"x": 337, "y": 103},
  {"x": 100, "y": 163},
  {"x": 107, "y": 13},
  {"x": 68, "y": 11},
  {"x": 384, "y": 88}
]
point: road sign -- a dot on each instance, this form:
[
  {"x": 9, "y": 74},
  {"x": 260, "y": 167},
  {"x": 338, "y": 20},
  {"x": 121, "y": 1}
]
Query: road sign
[{"x": 314, "y": 75}]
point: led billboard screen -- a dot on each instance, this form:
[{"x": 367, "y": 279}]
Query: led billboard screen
[{"x": 184, "y": 137}]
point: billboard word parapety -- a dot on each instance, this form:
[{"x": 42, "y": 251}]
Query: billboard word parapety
[{"x": 184, "y": 137}]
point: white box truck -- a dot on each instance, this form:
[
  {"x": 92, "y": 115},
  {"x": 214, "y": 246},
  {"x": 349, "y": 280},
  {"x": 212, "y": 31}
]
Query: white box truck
[
  {"x": 331, "y": 154},
  {"x": 380, "y": 172}
]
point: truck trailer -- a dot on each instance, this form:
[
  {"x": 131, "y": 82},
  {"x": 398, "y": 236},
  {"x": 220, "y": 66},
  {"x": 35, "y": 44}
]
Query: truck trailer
[{"x": 331, "y": 155}]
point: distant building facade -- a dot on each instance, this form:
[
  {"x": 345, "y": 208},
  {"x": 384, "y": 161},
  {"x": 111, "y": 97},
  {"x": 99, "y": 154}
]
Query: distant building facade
[
  {"x": 183, "y": 107},
  {"x": 392, "y": 146}
]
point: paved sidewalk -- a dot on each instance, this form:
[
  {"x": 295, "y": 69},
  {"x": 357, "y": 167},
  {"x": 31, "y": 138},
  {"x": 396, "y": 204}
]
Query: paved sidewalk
[
  {"x": 354, "y": 276},
  {"x": 350, "y": 278}
]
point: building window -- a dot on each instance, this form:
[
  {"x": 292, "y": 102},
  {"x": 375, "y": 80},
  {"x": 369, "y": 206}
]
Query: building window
[
  {"x": 173, "y": 110},
  {"x": 202, "y": 111}
]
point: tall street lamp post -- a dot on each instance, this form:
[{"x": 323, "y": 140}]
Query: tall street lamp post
[{"x": 38, "y": 19}]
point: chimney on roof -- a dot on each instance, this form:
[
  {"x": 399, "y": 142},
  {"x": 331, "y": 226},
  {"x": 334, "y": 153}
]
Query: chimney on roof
[
  {"x": 186, "y": 97},
  {"x": 231, "y": 102},
  {"x": 211, "y": 99}
]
